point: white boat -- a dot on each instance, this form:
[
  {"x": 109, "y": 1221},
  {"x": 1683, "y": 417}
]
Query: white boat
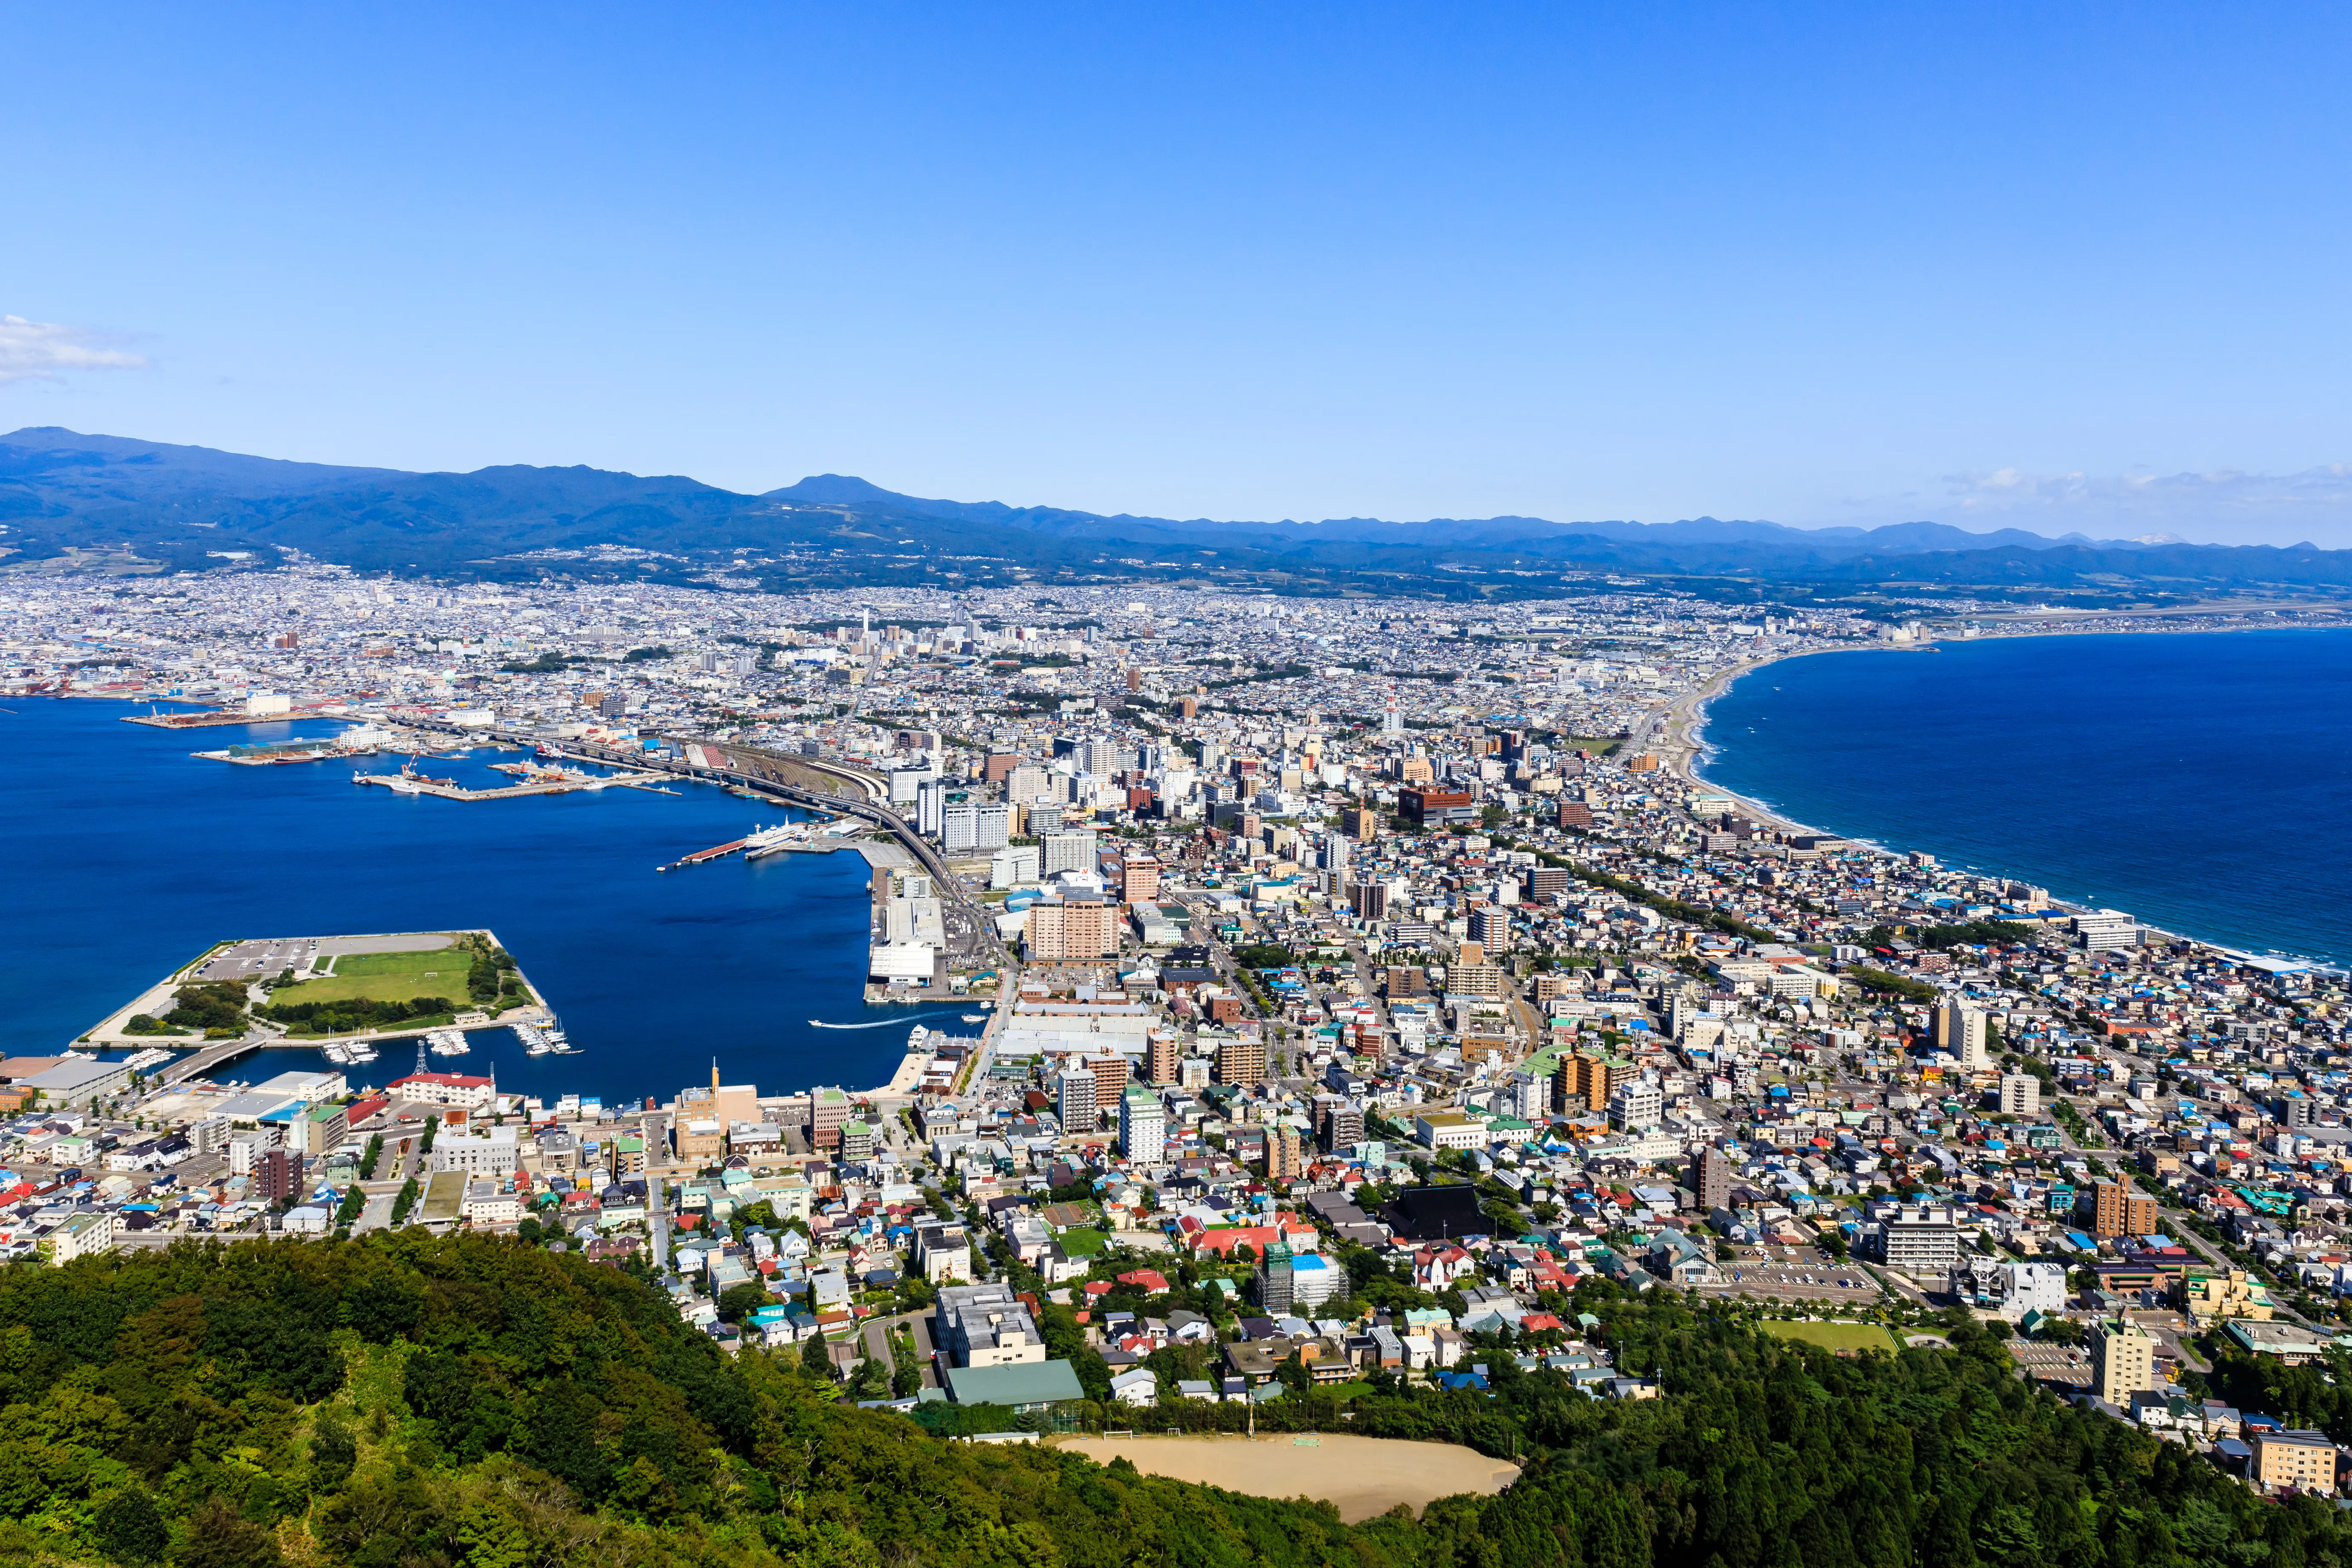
[
  {"x": 361, "y": 1051},
  {"x": 338, "y": 1055},
  {"x": 447, "y": 1043},
  {"x": 975, "y": 1017}
]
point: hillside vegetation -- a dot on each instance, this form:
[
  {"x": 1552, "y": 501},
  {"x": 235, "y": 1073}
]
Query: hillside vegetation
[{"x": 405, "y": 1401}]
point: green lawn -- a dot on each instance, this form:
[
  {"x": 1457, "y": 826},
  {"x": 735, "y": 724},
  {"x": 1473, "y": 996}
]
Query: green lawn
[
  {"x": 354, "y": 964},
  {"x": 1083, "y": 1241},
  {"x": 1835, "y": 1336},
  {"x": 447, "y": 980}
]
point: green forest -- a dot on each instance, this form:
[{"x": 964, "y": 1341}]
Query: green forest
[{"x": 410, "y": 1401}]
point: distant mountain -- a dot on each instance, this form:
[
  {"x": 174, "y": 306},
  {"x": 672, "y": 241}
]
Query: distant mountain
[{"x": 63, "y": 493}]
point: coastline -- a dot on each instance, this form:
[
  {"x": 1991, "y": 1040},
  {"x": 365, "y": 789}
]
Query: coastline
[{"x": 1675, "y": 735}]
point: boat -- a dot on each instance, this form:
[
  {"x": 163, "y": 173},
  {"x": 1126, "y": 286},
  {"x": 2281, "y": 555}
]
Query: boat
[
  {"x": 448, "y": 1042},
  {"x": 773, "y": 840},
  {"x": 338, "y": 1055},
  {"x": 361, "y": 1051},
  {"x": 975, "y": 1017}
]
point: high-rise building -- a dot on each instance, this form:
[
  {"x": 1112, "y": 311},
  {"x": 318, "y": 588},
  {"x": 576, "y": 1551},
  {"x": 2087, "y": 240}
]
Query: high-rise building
[
  {"x": 276, "y": 1176},
  {"x": 1371, "y": 900},
  {"x": 1340, "y": 1122},
  {"x": 1240, "y": 1062},
  {"x": 1067, "y": 849},
  {"x": 1286, "y": 1153},
  {"x": 1139, "y": 879},
  {"x": 1531, "y": 1095},
  {"x": 828, "y": 1113},
  {"x": 1710, "y": 1178},
  {"x": 1960, "y": 1029},
  {"x": 1162, "y": 1057},
  {"x": 1274, "y": 1292},
  {"x": 1111, "y": 1077},
  {"x": 2123, "y": 1359},
  {"x": 2020, "y": 1094},
  {"x": 1142, "y": 1126},
  {"x": 2117, "y": 1210},
  {"x": 1072, "y": 932},
  {"x": 1490, "y": 928},
  {"x": 1543, "y": 882},
  {"x": 1636, "y": 1105},
  {"x": 1584, "y": 1081},
  {"x": 1924, "y": 1242},
  {"x": 1073, "y": 1099},
  {"x": 930, "y": 807}
]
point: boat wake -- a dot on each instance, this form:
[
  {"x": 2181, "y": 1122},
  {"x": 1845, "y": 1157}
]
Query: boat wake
[{"x": 881, "y": 1023}]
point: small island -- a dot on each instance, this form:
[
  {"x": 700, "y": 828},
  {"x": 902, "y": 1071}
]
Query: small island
[{"x": 317, "y": 989}]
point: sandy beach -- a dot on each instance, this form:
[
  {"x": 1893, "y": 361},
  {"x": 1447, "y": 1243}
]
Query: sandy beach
[{"x": 1362, "y": 1476}]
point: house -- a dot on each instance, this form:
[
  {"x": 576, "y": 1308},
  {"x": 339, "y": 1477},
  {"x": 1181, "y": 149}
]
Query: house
[{"x": 1138, "y": 1389}]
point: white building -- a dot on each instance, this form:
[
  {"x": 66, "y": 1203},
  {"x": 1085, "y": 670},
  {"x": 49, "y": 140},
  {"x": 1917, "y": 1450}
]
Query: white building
[
  {"x": 1142, "y": 1126},
  {"x": 495, "y": 1153}
]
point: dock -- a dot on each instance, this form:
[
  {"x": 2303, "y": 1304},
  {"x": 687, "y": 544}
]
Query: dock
[
  {"x": 212, "y": 718},
  {"x": 407, "y": 784},
  {"x": 715, "y": 852}
]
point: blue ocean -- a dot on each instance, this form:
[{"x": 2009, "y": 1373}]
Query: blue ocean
[
  {"x": 128, "y": 856},
  {"x": 2202, "y": 782}
]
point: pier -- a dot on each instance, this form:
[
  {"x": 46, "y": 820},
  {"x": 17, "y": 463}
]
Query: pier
[
  {"x": 409, "y": 784},
  {"x": 717, "y": 851}
]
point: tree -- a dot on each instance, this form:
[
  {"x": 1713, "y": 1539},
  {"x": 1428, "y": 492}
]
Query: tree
[
  {"x": 869, "y": 1380},
  {"x": 375, "y": 1153},
  {"x": 129, "y": 1528},
  {"x": 219, "y": 1539},
  {"x": 739, "y": 1301}
]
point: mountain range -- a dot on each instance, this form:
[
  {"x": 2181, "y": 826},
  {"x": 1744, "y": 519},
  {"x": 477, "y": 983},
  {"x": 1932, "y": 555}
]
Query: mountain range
[{"x": 113, "y": 500}]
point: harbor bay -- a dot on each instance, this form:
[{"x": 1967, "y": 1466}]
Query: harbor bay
[
  {"x": 2200, "y": 781},
  {"x": 131, "y": 857}
]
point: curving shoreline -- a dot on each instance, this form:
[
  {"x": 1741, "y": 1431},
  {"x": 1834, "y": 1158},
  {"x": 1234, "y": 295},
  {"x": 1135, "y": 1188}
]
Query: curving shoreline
[{"x": 1676, "y": 737}]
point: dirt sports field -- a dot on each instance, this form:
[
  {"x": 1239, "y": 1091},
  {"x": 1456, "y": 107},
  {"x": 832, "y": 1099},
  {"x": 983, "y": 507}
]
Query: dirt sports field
[{"x": 1362, "y": 1476}]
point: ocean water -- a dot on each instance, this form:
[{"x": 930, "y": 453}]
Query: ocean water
[
  {"x": 126, "y": 857},
  {"x": 2202, "y": 782}
]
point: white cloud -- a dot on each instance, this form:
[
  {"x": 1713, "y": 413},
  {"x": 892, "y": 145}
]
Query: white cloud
[
  {"x": 2224, "y": 505},
  {"x": 40, "y": 351}
]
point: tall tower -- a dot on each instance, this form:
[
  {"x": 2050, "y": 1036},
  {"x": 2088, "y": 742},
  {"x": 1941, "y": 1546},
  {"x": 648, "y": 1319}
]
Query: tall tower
[{"x": 1392, "y": 720}]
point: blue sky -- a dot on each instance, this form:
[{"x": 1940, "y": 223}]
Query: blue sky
[{"x": 2051, "y": 267}]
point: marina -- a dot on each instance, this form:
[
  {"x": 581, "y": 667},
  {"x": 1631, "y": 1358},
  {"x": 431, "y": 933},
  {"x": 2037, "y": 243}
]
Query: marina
[{"x": 561, "y": 880}]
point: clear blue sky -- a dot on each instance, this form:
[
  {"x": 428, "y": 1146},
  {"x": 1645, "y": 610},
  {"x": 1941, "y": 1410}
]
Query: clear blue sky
[{"x": 2060, "y": 267}]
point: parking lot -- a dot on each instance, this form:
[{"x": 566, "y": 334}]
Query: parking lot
[
  {"x": 2052, "y": 1363},
  {"x": 249, "y": 961},
  {"x": 1794, "y": 1272}
]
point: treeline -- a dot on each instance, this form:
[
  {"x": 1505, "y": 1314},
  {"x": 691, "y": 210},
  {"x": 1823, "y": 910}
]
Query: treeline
[
  {"x": 1673, "y": 908},
  {"x": 411, "y": 1402},
  {"x": 354, "y": 1013},
  {"x": 215, "y": 1006},
  {"x": 1976, "y": 933}
]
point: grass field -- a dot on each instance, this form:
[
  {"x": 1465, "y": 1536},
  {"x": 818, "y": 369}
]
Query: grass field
[
  {"x": 386, "y": 977},
  {"x": 1835, "y": 1336},
  {"x": 1083, "y": 1241},
  {"x": 444, "y": 960},
  {"x": 448, "y": 983}
]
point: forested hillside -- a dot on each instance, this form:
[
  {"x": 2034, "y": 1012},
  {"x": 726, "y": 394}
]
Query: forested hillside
[{"x": 401, "y": 1401}]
